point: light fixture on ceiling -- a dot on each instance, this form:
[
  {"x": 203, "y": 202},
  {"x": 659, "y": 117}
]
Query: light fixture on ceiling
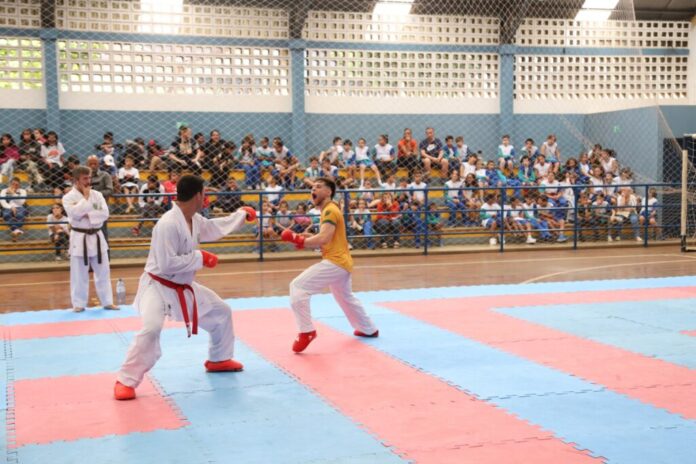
[
  {"x": 596, "y": 10},
  {"x": 393, "y": 7}
]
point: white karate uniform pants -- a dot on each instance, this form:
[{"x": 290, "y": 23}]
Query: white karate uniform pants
[
  {"x": 79, "y": 281},
  {"x": 215, "y": 317},
  {"x": 315, "y": 279}
]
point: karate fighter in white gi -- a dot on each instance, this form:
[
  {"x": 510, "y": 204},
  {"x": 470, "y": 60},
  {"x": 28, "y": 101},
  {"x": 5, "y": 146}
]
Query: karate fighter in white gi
[
  {"x": 167, "y": 288},
  {"x": 87, "y": 210}
]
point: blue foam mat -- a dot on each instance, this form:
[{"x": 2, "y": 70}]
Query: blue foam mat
[{"x": 575, "y": 417}]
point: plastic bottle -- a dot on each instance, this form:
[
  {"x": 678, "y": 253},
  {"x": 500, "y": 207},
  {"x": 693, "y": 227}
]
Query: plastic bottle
[{"x": 120, "y": 292}]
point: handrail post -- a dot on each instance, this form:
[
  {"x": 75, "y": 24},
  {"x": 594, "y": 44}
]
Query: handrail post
[
  {"x": 503, "y": 195},
  {"x": 426, "y": 227},
  {"x": 260, "y": 226},
  {"x": 576, "y": 223},
  {"x": 646, "y": 218}
]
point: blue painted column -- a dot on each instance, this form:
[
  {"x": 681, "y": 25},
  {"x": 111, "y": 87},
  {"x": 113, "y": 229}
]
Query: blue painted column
[
  {"x": 51, "y": 84},
  {"x": 507, "y": 96},
  {"x": 297, "y": 63}
]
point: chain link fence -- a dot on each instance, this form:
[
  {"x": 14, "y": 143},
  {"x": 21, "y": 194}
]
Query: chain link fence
[{"x": 442, "y": 104}]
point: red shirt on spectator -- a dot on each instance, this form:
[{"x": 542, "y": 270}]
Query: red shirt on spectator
[
  {"x": 169, "y": 187},
  {"x": 407, "y": 148},
  {"x": 382, "y": 207}
]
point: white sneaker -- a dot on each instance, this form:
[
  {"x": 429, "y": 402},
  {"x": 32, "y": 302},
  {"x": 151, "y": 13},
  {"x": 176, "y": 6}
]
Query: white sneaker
[
  {"x": 531, "y": 240},
  {"x": 609, "y": 239},
  {"x": 493, "y": 241},
  {"x": 639, "y": 240}
]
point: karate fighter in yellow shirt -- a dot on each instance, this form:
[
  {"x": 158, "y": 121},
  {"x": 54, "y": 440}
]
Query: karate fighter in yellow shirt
[{"x": 333, "y": 271}]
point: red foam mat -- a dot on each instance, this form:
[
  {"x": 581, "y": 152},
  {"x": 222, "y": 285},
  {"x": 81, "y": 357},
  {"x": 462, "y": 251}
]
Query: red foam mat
[
  {"x": 618, "y": 369},
  {"x": 75, "y": 407},
  {"x": 77, "y": 328},
  {"x": 418, "y": 415}
]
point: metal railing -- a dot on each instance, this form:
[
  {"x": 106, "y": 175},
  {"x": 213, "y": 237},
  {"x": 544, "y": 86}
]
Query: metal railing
[{"x": 424, "y": 224}]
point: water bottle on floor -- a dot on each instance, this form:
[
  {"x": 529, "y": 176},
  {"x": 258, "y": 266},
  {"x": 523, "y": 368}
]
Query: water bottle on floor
[{"x": 120, "y": 292}]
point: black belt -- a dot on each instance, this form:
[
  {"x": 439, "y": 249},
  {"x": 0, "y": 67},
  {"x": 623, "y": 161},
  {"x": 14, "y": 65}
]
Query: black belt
[{"x": 84, "y": 243}]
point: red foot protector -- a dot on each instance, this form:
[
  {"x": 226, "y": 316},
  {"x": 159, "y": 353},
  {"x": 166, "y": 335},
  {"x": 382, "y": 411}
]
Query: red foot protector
[
  {"x": 76, "y": 328},
  {"x": 71, "y": 408},
  {"x": 691, "y": 333},
  {"x": 620, "y": 370},
  {"x": 418, "y": 415}
]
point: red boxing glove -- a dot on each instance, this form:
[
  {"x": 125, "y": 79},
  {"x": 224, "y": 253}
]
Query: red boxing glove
[
  {"x": 209, "y": 259},
  {"x": 250, "y": 213},
  {"x": 289, "y": 236}
]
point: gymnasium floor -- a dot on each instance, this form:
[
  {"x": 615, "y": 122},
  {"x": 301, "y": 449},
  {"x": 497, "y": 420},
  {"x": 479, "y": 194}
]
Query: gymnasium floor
[{"x": 593, "y": 360}]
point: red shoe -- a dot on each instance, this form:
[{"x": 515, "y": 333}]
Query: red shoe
[
  {"x": 229, "y": 365},
  {"x": 303, "y": 340},
  {"x": 123, "y": 392},
  {"x": 358, "y": 333}
]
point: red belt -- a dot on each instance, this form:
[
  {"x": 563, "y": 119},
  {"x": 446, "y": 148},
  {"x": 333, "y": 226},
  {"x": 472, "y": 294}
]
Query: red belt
[{"x": 182, "y": 301}]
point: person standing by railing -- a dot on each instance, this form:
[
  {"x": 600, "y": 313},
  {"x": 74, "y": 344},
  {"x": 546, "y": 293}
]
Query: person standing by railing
[
  {"x": 58, "y": 230},
  {"x": 87, "y": 210},
  {"x": 103, "y": 183}
]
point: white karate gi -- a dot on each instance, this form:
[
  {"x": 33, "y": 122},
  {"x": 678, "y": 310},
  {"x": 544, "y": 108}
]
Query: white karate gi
[
  {"x": 89, "y": 213},
  {"x": 174, "y": 256}
]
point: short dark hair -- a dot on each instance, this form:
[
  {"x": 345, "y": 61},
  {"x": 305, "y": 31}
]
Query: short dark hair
[
  {"x": 328, "y": 182},
  {"x": 188, "y": 186}
]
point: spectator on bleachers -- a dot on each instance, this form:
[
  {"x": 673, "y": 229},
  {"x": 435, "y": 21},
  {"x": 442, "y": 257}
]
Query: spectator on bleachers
[
  {"x": 418, "y": 187},
  {"x": 363, "y": 219},
  {"x": 312, "y": 173},
  {"x": 433, "y": 220},
  {"x": 551, "y": 151},
  {"x": 387, "y": 221},
  {"x": 624, "y": 180},
  {"x": 58, "y": 230},
  {"x": 384, "y": 156},
  {"x": 472, "y": 198},
  {"x": 601, "y": 213},
  {"x": 530, "y": 150},
  {"x": 408, "y": 156},
  {"x": 390, "y": 184},
  {"x": 328, "y": 170},
  {"x": 626, "y": 211},
  {"x": 129, "y": 177},
  {"x": 9, "y": 157},
  {"x": 609, "y": 163},
  {"x": 531, "y": 214},
  {"x": 135, "y": 149},
  {"x": 264, "y": 153},
  {"x": 526, "y": 174},
  {"x": 223, "y": 165},
  {"x": 412, "y": 222},
  {"x": 463, "y": 151},
  {"x": 283, "y": 218},
  {"x": 213, "y": 149},
  {"x": 230, "y": 198},
  {"x": 541, "y": 167},
  {"x": 403, "y": 195},
  {"x": 103, "y": 183},
  {"x": 198, "y": 163},
  {"x": 246, "y": 158},
  {"x": 150, "y": 206},
  {"x": 648, "y": 210},
  {"x": 30, "y": 157},
  {"x": 519, "y": 221},
  {"x": 450, "y": 157},
  {"x": 348, "y": 160},
  {"x": 364, "y": 161},
  {"x": 170, "y": 187},
  {"x": 430, "y": 150},
  {"x": 506, "y": 154},
  {"x": 301, "y": 222},
  {"x": 453, "y": 199},
  {"x": 469, "y": 166},
  {"x": 585, "y": 217},
  {"x": 52, "y": 156},
  {"x": 554, "y": 215},
  {"x": 107, "y": 147},
  {"x": 181, "y": 152},
  {"x": 490, "y": 217},
  {"x": 70, "y": 164},
  {"x": 585, "y": 167},
  {"x": 314, "y": 214},
  {"x": 13, "y": 209},
  {"x": 156, "y": 156},
  {"x": 39, "y": 135},
  {"x": 494, "y": 175},
  {"x": 334, "y": 153},
  {"x": 609, "y": 189},
  {"x": 273, "y": 192},
  {"x": 286, "y": 164},
  {"x": 364, "y": 191}
]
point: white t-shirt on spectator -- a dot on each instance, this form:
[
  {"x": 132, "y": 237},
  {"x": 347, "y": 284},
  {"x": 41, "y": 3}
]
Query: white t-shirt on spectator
[
  {"x": 418, "y": 191},
  {"x": 275, "y": 192},
  {"x": 14, "y": 203},
  {"x": 132, "y": 172},
  {"x": 63, "y": 224}
]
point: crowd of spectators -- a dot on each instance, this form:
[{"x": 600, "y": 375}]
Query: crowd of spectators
[{"x": 530, "y": 191}]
